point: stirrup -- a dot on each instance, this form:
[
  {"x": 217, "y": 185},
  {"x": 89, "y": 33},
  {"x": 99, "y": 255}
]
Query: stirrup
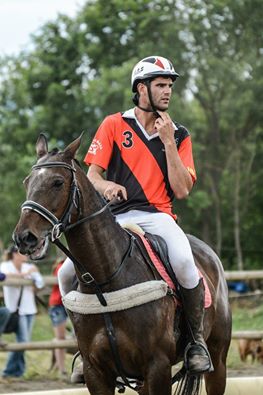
[
  {"x": 209, "y": 365},
  {"x": 77, "y": 376}
]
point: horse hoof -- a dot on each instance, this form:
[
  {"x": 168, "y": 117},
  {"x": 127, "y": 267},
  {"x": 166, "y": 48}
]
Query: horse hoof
[{"x": 76, "y": 378}]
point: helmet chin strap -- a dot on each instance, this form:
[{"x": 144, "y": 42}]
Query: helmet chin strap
[{"x": 153, "y": 108}]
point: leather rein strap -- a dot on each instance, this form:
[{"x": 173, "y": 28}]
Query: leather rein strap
[{"x": 63, "y": 225}]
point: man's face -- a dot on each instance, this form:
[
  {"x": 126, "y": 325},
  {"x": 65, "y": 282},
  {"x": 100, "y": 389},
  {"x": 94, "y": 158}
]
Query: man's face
[{"x": 161, "y": 89}]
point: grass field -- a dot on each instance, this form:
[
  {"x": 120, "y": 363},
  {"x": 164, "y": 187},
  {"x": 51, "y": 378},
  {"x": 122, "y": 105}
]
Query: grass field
[{"x": 38, "y": 362}]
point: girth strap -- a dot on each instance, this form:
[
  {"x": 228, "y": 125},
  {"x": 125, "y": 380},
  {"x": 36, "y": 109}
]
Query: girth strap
[{"x": 114, "y": 348}]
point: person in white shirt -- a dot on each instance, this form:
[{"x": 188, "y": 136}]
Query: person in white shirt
[{"x": 17, "y": 267}]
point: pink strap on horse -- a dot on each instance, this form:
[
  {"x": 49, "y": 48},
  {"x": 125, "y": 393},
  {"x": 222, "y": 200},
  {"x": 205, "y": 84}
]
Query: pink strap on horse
[{"x": 165, "y": 276}]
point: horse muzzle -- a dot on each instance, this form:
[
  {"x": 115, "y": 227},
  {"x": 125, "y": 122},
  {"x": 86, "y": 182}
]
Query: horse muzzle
[{"x": 29, "y": 244}]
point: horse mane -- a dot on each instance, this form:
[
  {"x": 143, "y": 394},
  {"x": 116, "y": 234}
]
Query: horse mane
[
  {"x": 54, "y": 151},
  {"x": 77, "y": 162}
]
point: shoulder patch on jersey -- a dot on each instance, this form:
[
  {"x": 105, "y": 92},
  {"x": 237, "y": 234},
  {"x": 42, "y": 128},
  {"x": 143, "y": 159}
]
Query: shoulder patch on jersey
[
  {"x": 191, "y": 171},
  {"x": 95, "y": 146}
]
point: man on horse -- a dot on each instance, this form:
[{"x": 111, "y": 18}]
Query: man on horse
[{"x": 149, "y": 161}]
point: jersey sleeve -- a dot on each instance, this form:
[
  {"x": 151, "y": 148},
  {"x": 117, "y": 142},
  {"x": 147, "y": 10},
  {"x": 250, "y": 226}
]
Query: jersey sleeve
[
  {"x": 186, "y": 155},
  {"x": 100, "y": 150}
]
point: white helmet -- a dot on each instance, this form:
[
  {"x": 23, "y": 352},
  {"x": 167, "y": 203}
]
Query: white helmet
[{"x": 151, "y": 67}]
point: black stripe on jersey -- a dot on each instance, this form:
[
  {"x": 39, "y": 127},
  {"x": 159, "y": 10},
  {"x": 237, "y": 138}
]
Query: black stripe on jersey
[
  {"x": 156, "y": 147},
  {"x": 180, "y": 134},
  {"x": 136, "y": 196}
]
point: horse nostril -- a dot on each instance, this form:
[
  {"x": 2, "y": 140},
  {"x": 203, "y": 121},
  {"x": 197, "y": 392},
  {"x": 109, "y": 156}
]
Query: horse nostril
[
  {"x": 28, "y": 239},
  {"x": 25, "y": 241}
]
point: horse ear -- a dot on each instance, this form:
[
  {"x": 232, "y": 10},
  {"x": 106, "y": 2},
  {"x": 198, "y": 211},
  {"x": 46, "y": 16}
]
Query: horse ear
[
  {"x": 41, "y": 146},
  {"x": 71, "y": 150}
]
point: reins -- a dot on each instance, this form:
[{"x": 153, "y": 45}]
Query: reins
[{"x": 63, "y": 225}]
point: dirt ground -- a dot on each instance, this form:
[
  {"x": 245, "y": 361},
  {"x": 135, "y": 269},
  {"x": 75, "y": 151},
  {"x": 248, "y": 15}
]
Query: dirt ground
[{"x": 19, "y": 385}]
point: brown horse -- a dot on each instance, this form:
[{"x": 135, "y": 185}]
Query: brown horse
[{"x": 139, "y": 341}]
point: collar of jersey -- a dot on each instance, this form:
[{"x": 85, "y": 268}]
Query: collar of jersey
[{"x": 131, "y": 114}]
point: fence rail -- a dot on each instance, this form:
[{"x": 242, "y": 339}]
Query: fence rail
[
  {"x": 40, "y": 345},
  {"x": 72, "y": 343},
  {"x": 234, "y": 275}
]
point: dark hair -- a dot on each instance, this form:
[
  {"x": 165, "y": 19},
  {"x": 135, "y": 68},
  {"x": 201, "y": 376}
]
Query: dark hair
[{"x": 11, "y": 250}]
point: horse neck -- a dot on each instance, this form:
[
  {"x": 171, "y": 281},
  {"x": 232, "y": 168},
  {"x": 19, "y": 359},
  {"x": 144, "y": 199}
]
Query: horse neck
[{"x": 99, "y": 244}]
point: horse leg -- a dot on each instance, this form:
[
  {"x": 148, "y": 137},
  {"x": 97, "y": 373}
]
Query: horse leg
[
  {"x": 215, "y": 382},
  {"x": 98, "y": 383},
  {"x": 158, "y": 377}
]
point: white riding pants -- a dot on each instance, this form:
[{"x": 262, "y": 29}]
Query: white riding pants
[{"x": 161, "y": 224}]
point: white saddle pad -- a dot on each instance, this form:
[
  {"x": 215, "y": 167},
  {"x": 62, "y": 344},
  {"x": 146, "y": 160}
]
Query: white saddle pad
[{"x": 122, "y": 299}]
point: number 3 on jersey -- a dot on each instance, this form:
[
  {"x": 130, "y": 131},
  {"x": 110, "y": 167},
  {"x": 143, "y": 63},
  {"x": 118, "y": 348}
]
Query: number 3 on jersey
[{"x": 128, "y": 142}]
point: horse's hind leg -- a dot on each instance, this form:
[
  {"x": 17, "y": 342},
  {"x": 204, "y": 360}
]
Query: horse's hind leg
[
  {"x": 158, "y": 377},
  {"x": 215, "y": 382}
]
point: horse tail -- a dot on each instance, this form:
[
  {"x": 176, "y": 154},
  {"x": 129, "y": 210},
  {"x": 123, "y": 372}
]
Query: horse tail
[{"x": 189, "y": 385}]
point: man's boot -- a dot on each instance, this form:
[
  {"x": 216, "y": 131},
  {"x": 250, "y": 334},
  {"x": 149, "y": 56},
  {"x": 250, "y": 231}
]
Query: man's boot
[
  {"x": 77, "y": 376},
  {"x": 197, "y": 358}
]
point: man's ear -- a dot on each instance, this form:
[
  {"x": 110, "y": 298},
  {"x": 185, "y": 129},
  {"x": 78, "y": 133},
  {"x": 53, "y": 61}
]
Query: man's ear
[{"x": 141, "y": 87}]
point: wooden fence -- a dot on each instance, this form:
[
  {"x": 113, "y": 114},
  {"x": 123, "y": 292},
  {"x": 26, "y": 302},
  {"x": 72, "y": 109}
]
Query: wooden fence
[
  {"x": 71, "y": 343},
  {"x": 229, "y": 275}
]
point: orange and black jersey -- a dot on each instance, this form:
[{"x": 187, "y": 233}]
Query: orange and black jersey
[{"x": 137, "y": 161}]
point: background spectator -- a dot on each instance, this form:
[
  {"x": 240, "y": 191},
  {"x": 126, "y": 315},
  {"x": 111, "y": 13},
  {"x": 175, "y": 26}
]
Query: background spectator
[
  {"x": 17, "y": 267},
  {"x": 4, "y": 316}
]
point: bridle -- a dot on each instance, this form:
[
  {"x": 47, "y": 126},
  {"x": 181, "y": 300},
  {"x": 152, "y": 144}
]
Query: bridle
[{"x": 62, "y": 225}]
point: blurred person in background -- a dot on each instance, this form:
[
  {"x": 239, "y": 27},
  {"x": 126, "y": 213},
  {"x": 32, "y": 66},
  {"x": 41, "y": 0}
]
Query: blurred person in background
[
  {"x": 17, "y": 267},
  {"x": 4, "y": 315},
  {"x": 58, "y": 316}
]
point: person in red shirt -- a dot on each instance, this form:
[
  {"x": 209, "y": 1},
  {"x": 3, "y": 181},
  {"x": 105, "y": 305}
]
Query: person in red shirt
[
  {"x": 58, "y": 316},
  {"x": 148, "y": 162}
]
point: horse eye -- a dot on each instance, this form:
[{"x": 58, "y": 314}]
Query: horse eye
[{"x": 58, "y": 183}]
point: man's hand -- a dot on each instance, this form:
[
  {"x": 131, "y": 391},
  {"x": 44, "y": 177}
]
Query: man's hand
[
  {"x": 114, "y": 190},
  {"x": 164, "y": 126}
]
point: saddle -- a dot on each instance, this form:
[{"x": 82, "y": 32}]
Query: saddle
[
  {"x": 155, "y": 248},
  {"x": 154, "y": 244}
]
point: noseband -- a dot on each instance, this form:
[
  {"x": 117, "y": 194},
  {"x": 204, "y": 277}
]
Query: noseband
[{"x": 59, "y": 225}]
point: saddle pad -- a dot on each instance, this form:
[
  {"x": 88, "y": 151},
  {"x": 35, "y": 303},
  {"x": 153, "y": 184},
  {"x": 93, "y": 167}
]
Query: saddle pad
[
  {"x": 165, "y": 276},
  {"x": 122, "y": 299}
]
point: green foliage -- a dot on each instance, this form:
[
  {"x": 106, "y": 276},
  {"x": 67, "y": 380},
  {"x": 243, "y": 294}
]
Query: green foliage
[{"x": 79, "y": 71}]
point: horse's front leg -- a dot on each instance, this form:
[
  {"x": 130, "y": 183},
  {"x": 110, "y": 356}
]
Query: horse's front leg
[
  {"x": 158, "y": 377},
  {"x": 98, "y": 383}
]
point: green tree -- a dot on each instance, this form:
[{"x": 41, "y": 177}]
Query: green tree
[{"x": 79, "y": 71}]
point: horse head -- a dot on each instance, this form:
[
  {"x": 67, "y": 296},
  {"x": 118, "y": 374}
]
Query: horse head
[{"x": 51, "y": 196}]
